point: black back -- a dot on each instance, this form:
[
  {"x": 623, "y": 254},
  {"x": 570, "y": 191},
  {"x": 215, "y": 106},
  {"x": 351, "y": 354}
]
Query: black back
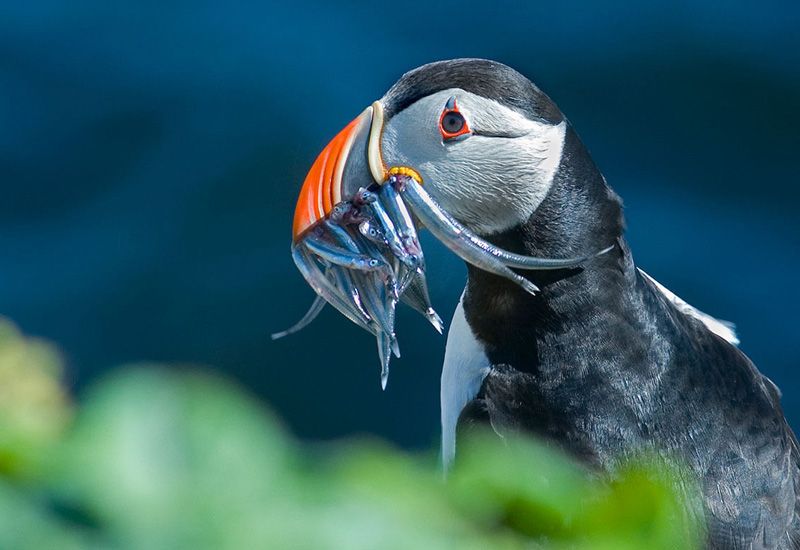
[{"x": 600, "y": 362}]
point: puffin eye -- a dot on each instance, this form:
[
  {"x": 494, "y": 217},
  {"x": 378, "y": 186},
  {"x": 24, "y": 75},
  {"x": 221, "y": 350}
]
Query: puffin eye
[{"x": 452, "y": 123}]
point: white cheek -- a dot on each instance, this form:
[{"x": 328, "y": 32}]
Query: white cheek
[
  {"x": 493, "y": 184},
  {"x": 413, "y": 144},
  {"x": 489, "y": 184}
]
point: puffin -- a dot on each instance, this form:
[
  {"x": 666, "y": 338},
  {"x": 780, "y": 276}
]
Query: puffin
[{"x": 601, "y": 361}]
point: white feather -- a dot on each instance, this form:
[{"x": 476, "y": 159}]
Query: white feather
[
  {"x": 487, "y": 183},
  {"x": 465, "y": 367},
  {"x": 724, "y": 329}
]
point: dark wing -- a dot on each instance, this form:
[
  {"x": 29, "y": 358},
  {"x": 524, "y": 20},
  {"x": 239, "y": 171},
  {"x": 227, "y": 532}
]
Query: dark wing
[
  {"x": 511, "y": 400},
  {"x": 747, "y": 464},
  {"x": 793, "y": 534}
]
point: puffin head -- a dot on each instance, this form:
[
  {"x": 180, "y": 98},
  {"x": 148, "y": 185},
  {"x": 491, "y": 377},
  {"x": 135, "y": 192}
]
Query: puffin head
[
  {"x": 484, "y": 160},
  {"x": 484, "y": 138},
  {"x": 487, "y": 144}
]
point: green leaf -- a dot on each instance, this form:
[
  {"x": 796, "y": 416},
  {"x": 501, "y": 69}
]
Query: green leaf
[
  {"x": 34, "y": 409},
  {"x": 169, "y": 458}
]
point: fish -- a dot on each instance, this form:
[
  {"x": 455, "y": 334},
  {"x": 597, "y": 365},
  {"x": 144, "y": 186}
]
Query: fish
[{"x": 359, "y": 249}]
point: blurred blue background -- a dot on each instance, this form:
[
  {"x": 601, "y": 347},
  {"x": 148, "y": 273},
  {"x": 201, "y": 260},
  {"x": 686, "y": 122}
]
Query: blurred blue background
[{"x": 151, "y": 155}]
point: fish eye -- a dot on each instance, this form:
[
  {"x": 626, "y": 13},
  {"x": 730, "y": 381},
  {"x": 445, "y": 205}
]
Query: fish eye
[{"x": 452, "y": 123}]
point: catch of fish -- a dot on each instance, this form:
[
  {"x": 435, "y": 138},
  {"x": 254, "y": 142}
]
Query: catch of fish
[{"x": 362, "y": 254}]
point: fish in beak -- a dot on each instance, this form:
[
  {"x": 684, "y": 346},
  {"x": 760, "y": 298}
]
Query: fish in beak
[{"x": 355, "y": 237}]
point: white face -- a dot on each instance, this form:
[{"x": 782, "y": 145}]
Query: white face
[{"x": 491, "y": 180}]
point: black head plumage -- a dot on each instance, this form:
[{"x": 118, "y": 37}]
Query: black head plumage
[{"x": 482, "y": 77}]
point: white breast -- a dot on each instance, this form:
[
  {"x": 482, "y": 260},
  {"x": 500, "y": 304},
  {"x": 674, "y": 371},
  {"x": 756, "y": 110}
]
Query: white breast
[{"x": 465, "y": 367}]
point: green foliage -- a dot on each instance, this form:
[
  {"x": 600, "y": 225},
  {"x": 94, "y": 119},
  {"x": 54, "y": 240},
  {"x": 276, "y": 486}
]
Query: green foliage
[
  {"x": 166, "y": 458},
  {"x": 34, "y": 410}
]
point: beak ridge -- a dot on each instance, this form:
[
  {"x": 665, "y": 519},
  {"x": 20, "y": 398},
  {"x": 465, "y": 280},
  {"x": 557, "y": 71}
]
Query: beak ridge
[{"x": 322, "y": 188}]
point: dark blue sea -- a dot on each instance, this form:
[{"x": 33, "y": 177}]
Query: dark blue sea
[{"x": 151, "y": 154}]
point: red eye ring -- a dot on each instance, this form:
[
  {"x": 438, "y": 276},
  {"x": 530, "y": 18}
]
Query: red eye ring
[{"x": 452, "y": 123}]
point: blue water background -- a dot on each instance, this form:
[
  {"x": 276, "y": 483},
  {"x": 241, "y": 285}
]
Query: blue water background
[{"x": 151, "y": 153}]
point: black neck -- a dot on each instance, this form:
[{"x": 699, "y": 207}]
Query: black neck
[{"x": 580, "y": 215}]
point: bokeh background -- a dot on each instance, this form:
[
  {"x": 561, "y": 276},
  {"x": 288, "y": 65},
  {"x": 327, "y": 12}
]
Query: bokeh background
[{"x": 151, "y": 154}]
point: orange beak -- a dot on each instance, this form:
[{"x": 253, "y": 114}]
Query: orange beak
[{"x": 324, "y": 186}]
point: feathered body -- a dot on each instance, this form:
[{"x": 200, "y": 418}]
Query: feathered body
[{"x": 602, "y": 362}]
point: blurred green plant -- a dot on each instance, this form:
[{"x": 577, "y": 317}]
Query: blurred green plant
[
  {"x": 34, "y": 409},
  {"x": 158, "y": 458}
]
